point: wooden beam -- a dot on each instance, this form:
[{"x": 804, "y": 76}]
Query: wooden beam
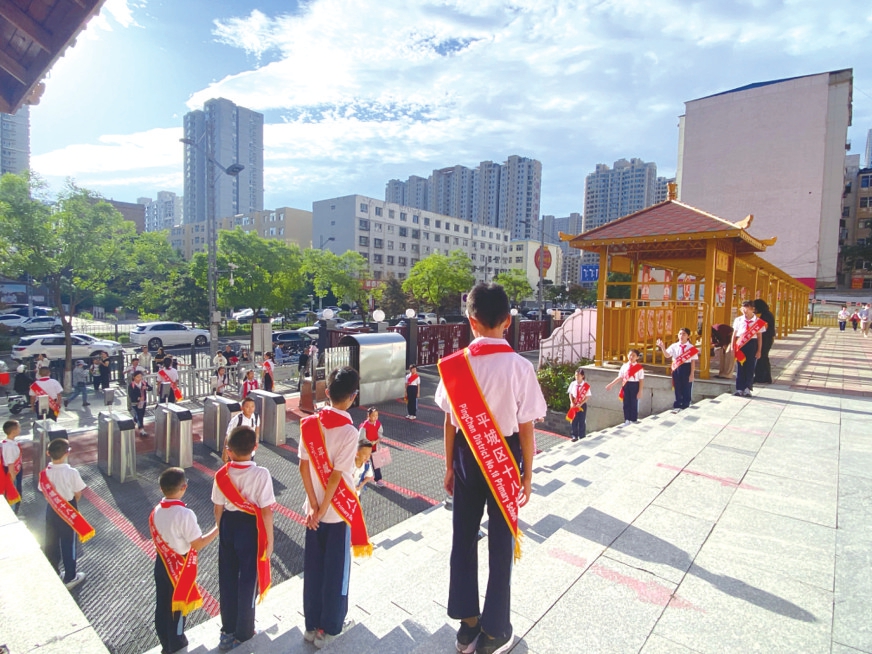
[
  {"x": 601, "y": 308},
  {"x": 12, "y": 67},
  {"x": 26, "y": 24},
  {"x": 708, "y": 309}
]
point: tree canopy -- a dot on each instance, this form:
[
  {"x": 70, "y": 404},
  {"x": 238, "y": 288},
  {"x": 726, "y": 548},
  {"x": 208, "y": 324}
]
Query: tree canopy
[
  {"x": 515, "y": 284},
  {"x": 436, "y": 277}
]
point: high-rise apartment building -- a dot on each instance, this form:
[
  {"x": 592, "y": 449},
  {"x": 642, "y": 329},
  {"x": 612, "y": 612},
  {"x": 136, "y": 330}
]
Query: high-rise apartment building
[
  {"x": 499, "y": 195},
  {"x": 869, "y": 149},
  {"x": 661, "y": 189},
  {"x": 15, "y": 141},
  {"x": 776, "y": 150},
  {"x": 164, "y": 213},
  {"x": 234, "y": 135}
]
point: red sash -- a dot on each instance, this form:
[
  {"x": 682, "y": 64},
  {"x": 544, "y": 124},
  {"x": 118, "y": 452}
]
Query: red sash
[
  {"x": 580, "y": 393},
  {"x": 7, "y": 481},
  {"x": 371, "y": 431},
  {"x": 488, "y": 445},
  {"x": 753, "y": 329},
  {"x": 632, "y": 370},
  {"x": 267, "y": 368},
  {"x": 225, "y": 485},
  {"x": 38, "y": 390},
  {"x": 182, "y": 570},
  {"x": 248, "y": 386},
  {"x": 164, "y": 375},
  {"x": 345, "y": 500},
  {"x": 684, "y": 357},
  {"x": 64, "y": 509},
  {"x": 412, "y": 379}
]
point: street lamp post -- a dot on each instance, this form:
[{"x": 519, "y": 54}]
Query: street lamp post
[
  {"x": 321, "y": 245},
  {"x": 212, "y": 231}
]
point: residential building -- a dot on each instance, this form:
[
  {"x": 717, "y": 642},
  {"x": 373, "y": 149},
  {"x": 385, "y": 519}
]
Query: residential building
[
  {"x": 132, "y": 211},
  {"x": 486, "y": 194},
  {"x": 774, "y": 150},
  {"x": 164, "y": 213},
  {"x": 661, "y": 189},
  {"x": 522, "y": 255},
  {"x": 393, "y": 237},
  {"x": 293, "y": 226},
  {"x": 234, "y": 135},
  {"x": 520, "y": 190},
  {"x": 869, "y": 149},
  {"x": 612, "y": 193},
  {"x": 857, "y": 228},
  {"x": 15, "y": 141}
]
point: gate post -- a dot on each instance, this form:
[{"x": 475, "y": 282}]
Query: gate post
[{"x": 412, "y": 343}]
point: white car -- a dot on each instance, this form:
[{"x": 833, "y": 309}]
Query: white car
[
  {"x": 165, "y": 334},
  {"x": 430, "y": 319},
  {"x": 41, "y": 324},
  {"x": 83, "y": 346},
  {"x": 11, "y": 321}
]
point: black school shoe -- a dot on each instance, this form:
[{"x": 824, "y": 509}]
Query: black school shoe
[
  {"x": 488, "y": 645},
  {"x": 467, "y": 637}
]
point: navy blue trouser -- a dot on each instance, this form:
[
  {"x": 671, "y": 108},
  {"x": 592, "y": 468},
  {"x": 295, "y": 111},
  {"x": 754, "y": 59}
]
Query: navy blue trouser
[
  {"x": 412, "y": 401},
  {"x": 578, "y": 427},
  {"x": 682, "y": 385},
  {"x": 326, "y": 569},
  {"x": 471, "y": 494},
  {"x": 169, "y": 624},
  {"x": 237, "y": 573},
  {"x": 631, "y": 401},
  {"x": 60, "y": 542},
  {"x": 745, "y": 371}
]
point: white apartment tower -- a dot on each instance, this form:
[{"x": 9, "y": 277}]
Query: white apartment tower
[
  {"x": 520, "y": 190},
  {"x": 15, "y": 141},
  {"x": 235, "y": 135},
  {"x": 776, "y": 150},
  {"x": 163, "y": 213}
]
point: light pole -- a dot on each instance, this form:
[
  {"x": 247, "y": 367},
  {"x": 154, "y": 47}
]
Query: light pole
[
  {"x": 321, "y": 245},
  {"x": 212, "y": 231},
  {"x": 541, "y": 264}
]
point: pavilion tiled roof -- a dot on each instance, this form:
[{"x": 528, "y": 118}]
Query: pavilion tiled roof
[{"x": 670, "y": 217}]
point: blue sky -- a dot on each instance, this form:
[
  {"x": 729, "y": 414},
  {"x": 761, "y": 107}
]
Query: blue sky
[{"x": 356, "y": 92}]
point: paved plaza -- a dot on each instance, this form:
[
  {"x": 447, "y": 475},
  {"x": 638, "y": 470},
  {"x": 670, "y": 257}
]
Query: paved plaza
[{"x": 738, "y": 525}]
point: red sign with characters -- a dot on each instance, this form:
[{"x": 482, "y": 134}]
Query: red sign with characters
[{"x": 542, "y": 262}]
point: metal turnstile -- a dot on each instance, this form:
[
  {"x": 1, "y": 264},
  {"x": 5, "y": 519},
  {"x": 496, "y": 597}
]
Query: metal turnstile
[
  {"x": 312, "y": 391},
  {"x": 173, "y": 438},
  {"x": 116, "y": 445},
  {"x": 271, "y": 409},
  {"x": 217, "y": 411},
  {"x": 43, "y": 434}
]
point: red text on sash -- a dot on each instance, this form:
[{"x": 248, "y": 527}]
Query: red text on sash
[
  {"x": 684, "y": 357},
  {"x": 182, "y": 570},
  {"x": 750, "y": 332},
  {"x": 64, "y": 509}
]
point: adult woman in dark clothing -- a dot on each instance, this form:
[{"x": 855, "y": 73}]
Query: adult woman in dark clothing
[
  {"x": 157, "y": 361},
  {"x": 105, "y": 370},
  {"x": 763, "y": 371}
]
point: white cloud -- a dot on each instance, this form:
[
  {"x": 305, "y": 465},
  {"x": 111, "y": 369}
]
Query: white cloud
[{"x": 118, "y": 12}]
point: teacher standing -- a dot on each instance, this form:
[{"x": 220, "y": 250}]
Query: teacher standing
[{"x": 763, "y": 371}]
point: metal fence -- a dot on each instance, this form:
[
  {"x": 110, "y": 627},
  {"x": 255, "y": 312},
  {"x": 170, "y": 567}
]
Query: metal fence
[{"x": 437, "y": 341}]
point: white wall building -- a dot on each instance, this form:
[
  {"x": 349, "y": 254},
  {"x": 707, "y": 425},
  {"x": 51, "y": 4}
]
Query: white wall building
[
  {"x": 522, "y": 255},
  {"x": 775, "y": 150},
  {"x": 393, "y": 237},
  {"x": 163, "y": 213}
]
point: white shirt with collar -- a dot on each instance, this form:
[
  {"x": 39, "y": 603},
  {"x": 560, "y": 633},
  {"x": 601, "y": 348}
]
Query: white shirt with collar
[
  {"x": 626, "y": 376},
  {"x": 509, "y": 386},
  {"x": 239, "y": 420},
  {"x": 66, "y": 480},
  {"x": 178, "y": 526},
  {"x": 677, "y": 349},
  {"x": 11, "y": 451},
  {"x": 52, "y": 387},
  {"x": 341, "y": 445},
  {"x": 253, "y": 482},
  {"x": 741, "y": 324}
]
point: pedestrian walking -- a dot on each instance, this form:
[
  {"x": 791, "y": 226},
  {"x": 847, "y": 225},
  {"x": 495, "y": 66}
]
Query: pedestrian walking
[
  {"x": 137, "y": 395},
  {"x": 81, "y": 377},
  {"x": 865, "y": 316},
  {"x": 843, "y": 318}
]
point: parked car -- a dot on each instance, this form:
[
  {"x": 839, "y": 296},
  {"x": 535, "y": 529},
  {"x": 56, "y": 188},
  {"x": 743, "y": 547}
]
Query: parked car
[
  {"x": 356, "y": 326},
  {"x": 32, "y": 313},
  {"x": 291, "y": 340},
  {"x": 262, "y": 316},
  {"x": 312, "y": 330},
  {"x": 53, "y": 346},
  {"x": 9, "y": 308},
  {"x": 157, "y": 334},
  {"x": 430, "y": 319},
  {"x": 41, "y": 324},
  {"x": 11, "y": 320}
]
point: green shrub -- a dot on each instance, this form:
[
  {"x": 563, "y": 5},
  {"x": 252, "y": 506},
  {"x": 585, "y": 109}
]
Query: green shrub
[
  {"x": 149, "y": 317},
  {"x": 86, "y": 315},
  {"x": 554, "y": 380},
  {"x": 232, "y": 326}
]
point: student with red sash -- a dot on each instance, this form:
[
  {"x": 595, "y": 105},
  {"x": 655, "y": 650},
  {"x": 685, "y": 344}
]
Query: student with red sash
[
  {"x": 268, "y": 372},
  {"x": 248, "y": 384},
  {"x": 177, "y": 539},
  {"x": 684, "y": 356},
  {"x": 631, "y": 375},
  {"x": 490, "y": 396},
  {"x": 11, "y": 465},
  {"x": 45, "y": 385},
  {"x": 336, "y": 528},
  {"x": 413, "y": 387},
  {"x": 243, "y": 497},
  {"x": 747, "y": 347},
  {"x": 579, "y": 393},
  {"x": 168, "y": 375},
  {"x": 62, "y": 487},
  {"x": 372, "y": 430}
]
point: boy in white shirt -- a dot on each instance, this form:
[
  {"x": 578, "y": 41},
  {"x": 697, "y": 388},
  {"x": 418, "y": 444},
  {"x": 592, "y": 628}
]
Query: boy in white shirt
[
  {"x": 11, "y": 464},
  {"x": 363, "y": 473},
  {"x": 45, "y": 385}
]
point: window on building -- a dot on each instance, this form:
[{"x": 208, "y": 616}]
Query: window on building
[
  {"x": 390, "y": 245},
  {"x": 391, "y": 213},
  {"x": 456, "y": 241},
  {"x": 415, "y": 247},
  {"x": 402, "y": 261},
  {"x": 519, "y": 259},
  {"x": 401, "y": 275},
  {"x": 427, "y": 250},
  {"x": 491, "y": 234},
  {"x": 281, "y": 231},
  {"x": 519, "y": 247},
  {"x": 865, "y": 181},
  {"x": 416, "y": 233},
  {"x": 390, "y": 260},
  {"x": 404, "y": 231},
  {"x": 390, "y": 229},
  {"x": 447, "y": 226},
  {"x": 414, "y": 261},
  {"x": 365, "y": 255},
  {"x": 466, "y": 243},
  {"x": 438, "y": 224},
  {"x": 378, "y": 243},
  {"x": 457, "y": 228},
  {"x": 490, "y": 246},
  {"x": 377, "y": 274},
  {"x": 376, "y": 227},
  {"x": 403, "y": 216},
  {"x": 475, "y": 231},
  {"x": 426, "y": 222},
  {"x": 363, "y": 225},
  {"x": 864, "y": 203},
  {"x": 415, "y": 219},
  {"x": 376, "y": 258},
  {"x": 402, "y": 246},
  {"x": 437, "y": 237},
  {"x": 272, "y": 231},
  {"x": 364, "y": 208},
  {"x": 363, "y": 240},
  {"x": 379, "y": 211},
  {"x": 466, "y": 229},
  {"x": 426, "y": 236}
]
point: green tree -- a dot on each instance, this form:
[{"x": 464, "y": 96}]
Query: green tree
[
  {"x": 146, "y": 272},
  {"x": 516, "y": 285},
  {"x": 186, "y": 298},
  {"x": 394, "y": 301},
  {"x": 437, "y": 278},
  {"x": 580, "y": 295},
  {"x": 73, "y": 246},
  {"x": 618, "y": 290},
  {"x": 341, "y": 274}
]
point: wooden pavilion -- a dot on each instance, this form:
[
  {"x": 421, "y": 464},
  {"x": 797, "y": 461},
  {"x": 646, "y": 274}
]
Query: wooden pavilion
[{"x": 687, "y": 268}]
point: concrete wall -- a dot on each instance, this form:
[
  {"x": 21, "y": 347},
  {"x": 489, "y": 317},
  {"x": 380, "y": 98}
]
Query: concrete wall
[
  {"x": 38, "y": 614},
  {"x": 776, "y": 151}
]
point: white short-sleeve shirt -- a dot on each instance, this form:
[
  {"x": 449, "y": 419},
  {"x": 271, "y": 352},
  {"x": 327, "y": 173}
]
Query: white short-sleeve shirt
[
  {"x": 177, "y": 525},
  {"x": 509, "y": 385},
  {"x": 66, "y": 480},
  {"x": 11, "y": 451},
  {"x": 239, "y": 420},
  {"x": 625, "y": 369},
  {"x": 573, "y": 390},
  {"x": 253, "y": 482},
  {"x": 341, "y": 445},
  {"x": 172, "y": 373},
  {"x": 740, "y": 325},
  {"x": 52, "y": 387},
  {"x": 677, "y": 349},
  {"x": 417, "y": 381}
]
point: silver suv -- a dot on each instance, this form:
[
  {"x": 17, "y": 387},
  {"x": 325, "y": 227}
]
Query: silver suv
[{"x": 84, "y": 347}]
